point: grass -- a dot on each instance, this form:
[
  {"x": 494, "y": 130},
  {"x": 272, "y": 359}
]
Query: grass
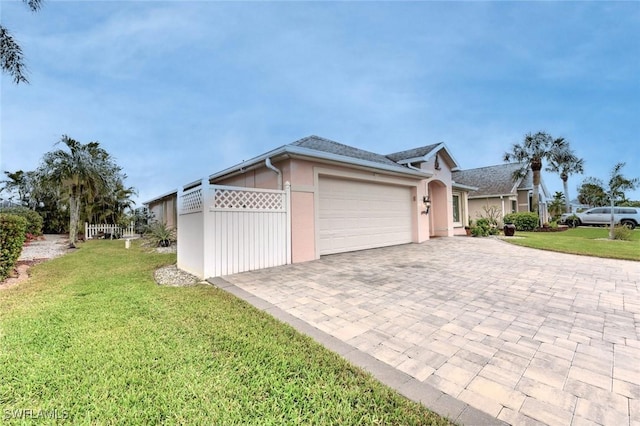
[
  {"x": 91, "y": 339},
  {"x": 583, "y": 240}
]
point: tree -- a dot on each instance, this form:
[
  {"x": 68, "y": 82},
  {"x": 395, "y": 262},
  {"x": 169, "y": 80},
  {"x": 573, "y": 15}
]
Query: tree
[
  {"x": 21, "y": 183},
  {"x": 79, "y": 175},
  {"x": 112, "y": 207},
  {"x": 534, "y": 149},
  {"x": 591, "y": 192},
  {"x": 565, "y": 163},
  {"x": 557, "y": 205},
  {"x": 618, "y": 184},
  {"x": 10, "y": 51}
]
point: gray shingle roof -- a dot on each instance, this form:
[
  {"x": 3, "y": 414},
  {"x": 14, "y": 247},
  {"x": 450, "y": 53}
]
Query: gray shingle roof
[
  {"x": 412, "y": 153},
  {"x": 325, "y": 145},
  {"x": 492, "y": 180}
]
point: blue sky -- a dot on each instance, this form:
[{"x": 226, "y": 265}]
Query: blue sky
[{"x": 179, "y": 90}]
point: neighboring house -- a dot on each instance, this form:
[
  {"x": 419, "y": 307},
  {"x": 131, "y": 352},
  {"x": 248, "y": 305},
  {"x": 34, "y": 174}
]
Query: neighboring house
[
  {"x": 164, "y": 209},
  {"x": 496, "y": 187},
  {"x": 345, "y": 199},
  {"x": 576, "y": 206}
]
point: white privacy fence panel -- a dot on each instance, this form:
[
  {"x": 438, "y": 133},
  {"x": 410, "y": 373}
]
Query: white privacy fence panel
[
  {"x": 233, "y": 229},
  {"x": 191, "y": 231},
  {"x": 108, "y": 230}
]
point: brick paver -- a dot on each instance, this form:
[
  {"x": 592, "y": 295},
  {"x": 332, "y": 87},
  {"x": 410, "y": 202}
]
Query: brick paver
[{"x": 527, "y": 336}]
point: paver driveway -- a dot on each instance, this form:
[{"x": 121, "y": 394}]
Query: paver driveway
[{"x": 526, "y": 336}]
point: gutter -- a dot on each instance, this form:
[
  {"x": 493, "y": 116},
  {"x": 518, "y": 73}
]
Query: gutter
[
  {"x": 412, "y": 167},
  {"x": 160, "y": 197},
  {"x": 296, "y": 151},
  {"x": 463, "y": 186}
]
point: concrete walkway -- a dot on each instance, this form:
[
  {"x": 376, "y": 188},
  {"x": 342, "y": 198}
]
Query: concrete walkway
[{"x": 476, "y": 329}]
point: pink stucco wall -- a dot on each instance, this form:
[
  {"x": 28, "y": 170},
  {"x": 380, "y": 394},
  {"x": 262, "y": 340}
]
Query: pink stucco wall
[
  {"x": 440, "y": 193},
  {"x": 303, "y": 176},
  {"x": 302, "y": 227}
]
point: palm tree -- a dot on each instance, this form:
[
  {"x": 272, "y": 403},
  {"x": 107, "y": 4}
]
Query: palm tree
[
  {"x": 534, "y": 149},
  {"x": 80, "y": 174},
  {"x": 618, "y": 184},
  {"x": 557, "y": 205},
  {"x": 112, "y": 207},
  {"x": 11, "y": 58},
  {"x": 565, "y": 163}
]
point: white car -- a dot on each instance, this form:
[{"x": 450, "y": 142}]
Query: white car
[{"x": 627, "y": 216}]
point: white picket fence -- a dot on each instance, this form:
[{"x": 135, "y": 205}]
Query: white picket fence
[
  {"x": 225, "y": 230},
  {"x": 110, "y": 231}
]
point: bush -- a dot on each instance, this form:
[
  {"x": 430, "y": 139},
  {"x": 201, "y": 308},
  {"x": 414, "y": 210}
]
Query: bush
[
  {"x": 484, "y": 228},
  {"x": 159, "y": 234},
  {"x": 524, "y": 221},
  {"x": 12, "y": 234},
  {"x": 621, "y": 232},
  {"x": 34, "y": 220}
]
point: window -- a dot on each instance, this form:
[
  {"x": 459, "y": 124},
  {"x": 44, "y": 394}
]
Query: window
[
  {"x": 456, "y": 208},
  {"x": 514, "y": 206}
]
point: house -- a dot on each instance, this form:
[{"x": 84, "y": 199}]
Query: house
[
  {"x": 342, "y": 198},
  {"x": 163, "y": 209},
  {"x": 497, "y": 188}
]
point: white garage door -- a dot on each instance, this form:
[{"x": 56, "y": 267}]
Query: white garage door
[{"x": 356, "y": 215}]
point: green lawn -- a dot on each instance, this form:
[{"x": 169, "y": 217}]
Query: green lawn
[
  {"x": 92, "y": 339},
  {"x": 583, "y": 240}
]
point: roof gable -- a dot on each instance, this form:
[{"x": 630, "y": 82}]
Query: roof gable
[
  {"x": 493, "y": 180},
  {"x": 424, "y": 153},
  {"x": 412, "y": 153}
]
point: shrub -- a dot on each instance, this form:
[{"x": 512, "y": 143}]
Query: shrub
[
  {"x": 159, "y": 234},
  {"x": 621, "y": 232},
  {"x": 524, "y": 221},
  {"x": 34, "y": 220},
  {"x": 492, "y": 214},
  {"x": 12, "y": 234},
  {"x": 484, "y": 228}
]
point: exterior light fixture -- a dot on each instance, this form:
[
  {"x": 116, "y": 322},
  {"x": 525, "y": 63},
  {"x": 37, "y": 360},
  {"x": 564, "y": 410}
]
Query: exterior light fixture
[{"x": 427, "y": 204}]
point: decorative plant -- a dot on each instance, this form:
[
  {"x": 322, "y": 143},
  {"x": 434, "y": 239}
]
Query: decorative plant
[
  {"x": 160, "y": 234},
  {"x": 484, "y": 228},
  {"x": 621, "y": 232}
]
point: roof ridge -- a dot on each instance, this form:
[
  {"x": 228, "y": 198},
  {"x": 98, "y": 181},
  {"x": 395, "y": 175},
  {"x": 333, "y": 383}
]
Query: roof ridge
[
  {"x": 414, "y": 149},
  {"x": 320, "y": 138},
  {"x": 489, "y": 167}
]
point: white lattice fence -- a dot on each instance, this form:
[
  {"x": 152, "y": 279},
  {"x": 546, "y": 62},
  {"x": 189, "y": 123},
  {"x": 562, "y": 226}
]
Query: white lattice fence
[
  {"x": 248, "y": 199},
  {"x": 225, "y": 230},
  {"x": 191, "y": 202}
]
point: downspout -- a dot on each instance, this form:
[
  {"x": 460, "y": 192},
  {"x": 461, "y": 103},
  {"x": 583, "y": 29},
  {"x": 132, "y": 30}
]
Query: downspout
[{"x": 267, "y": 162}]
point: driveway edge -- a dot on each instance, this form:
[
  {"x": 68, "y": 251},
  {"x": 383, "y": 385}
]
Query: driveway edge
[{"x": 411, "y": 388}]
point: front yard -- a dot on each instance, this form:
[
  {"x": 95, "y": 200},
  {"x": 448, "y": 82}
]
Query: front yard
[
  {"x": 583, "y": 240},
  {"x": 92, "y": 339}
]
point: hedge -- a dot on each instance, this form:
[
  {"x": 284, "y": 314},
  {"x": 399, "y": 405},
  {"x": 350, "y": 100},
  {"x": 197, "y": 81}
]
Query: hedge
[
  {"x": 34, "y": 220},
  {"x": 524, "y": 221},
  {"x": 12, "y": 235}
]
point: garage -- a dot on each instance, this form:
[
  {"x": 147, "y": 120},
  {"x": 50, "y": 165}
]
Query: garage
[{"x": 358, "y": 215}]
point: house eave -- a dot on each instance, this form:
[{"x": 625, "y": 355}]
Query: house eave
[
  {"x": 289, "y": 151},
  {"x": 161, "y": 197},
  {"x": 464, "y": 187},
  {"x": 473, "y": 197}
]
